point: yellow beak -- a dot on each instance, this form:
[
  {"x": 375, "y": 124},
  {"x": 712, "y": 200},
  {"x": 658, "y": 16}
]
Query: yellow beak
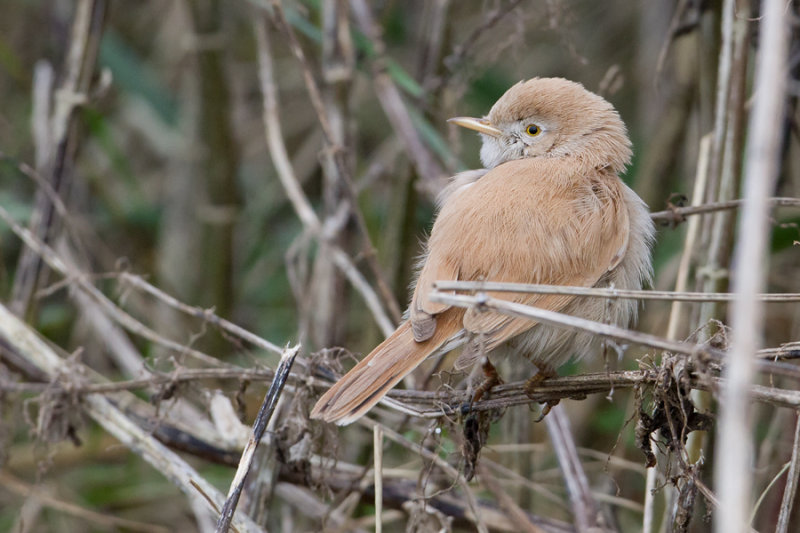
[{"x": 478, "y": 124}]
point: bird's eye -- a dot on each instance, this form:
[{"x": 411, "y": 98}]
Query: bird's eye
[{"x": 533, "y": 130}]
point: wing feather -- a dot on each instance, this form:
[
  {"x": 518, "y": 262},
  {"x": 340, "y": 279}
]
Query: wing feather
[{"x": 526, "y": 221}]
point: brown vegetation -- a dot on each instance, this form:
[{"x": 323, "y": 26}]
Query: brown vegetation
[{"x": 192, "y": 190}]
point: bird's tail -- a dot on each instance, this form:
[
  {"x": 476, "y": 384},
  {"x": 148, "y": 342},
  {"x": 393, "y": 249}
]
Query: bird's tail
[{"x": 369, "y": 381}]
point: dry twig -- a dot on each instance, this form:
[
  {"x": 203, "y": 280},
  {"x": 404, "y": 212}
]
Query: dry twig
[
  {"x": 283, "y": 166},
  {"x": 260, "y": 424},
  {"x": 111, "y": 418},
  {"x": 733, "y": 444}
]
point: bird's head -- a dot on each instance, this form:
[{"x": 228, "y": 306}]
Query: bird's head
[{"x": 551, "y": 117}]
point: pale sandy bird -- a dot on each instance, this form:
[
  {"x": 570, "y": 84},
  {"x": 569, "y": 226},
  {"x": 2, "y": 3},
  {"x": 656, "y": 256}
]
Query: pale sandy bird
[{"x": 548, "y": 208}]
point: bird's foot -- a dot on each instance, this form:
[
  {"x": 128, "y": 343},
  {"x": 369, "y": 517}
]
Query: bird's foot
[
  {"x": 478, "y": 423},
  {"x": 530, "y": 389},
  {"x": 491, "y": 379}
]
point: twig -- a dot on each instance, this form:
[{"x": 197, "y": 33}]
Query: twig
[
  {"x": 377, "y": 446},
  {"x": 438, "y": 461},
  {"x": 399, "y": 490},
  {"x": 283, "y": 167},
  {"x": 79, "y": 279},
  {"x": 485, "y": 303},
  {"x": 722, "y": 93},
  {"x": 676, "y": 214},
  {"x": 734, "y": 447},
  {"x": 179, "y": 376},
  {"x": 440, "y": 403},
  {"x": 675, "y": 26},
  {"x": 790, "y": 491},
  {"x": 766, "y": 490},
  {"x": 361, "y": 286},
  {"x": 676, "y": 316},
  {"x": 574, "y": 387},
  {"x": 487, "y": 22},
  {"x": 611, "y": 293},
  {"x": 507, "y": 503},
  {"x": 260, "y": 424},
  {"x": 545, "y": 316},
  {"x": 513, "y": 476},
  {"x": 695, "y": 440},
  {"x": 206, "y": 315},
  {"x": 72, "y": 93},
  {"x": 584, "y": 507},
  {"x": 334, "y": 151},
  {"x": 16, "y": 486},
  {"x": 104, "y": 412},
  {"x": 308, "y": 504},
  {"x": 392, "y": 103}
]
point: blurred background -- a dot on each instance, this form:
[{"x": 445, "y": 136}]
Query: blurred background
[{"x": 133, "y": 140}]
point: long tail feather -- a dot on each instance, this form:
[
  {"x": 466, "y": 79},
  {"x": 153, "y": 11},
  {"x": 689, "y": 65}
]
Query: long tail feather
[{"x": 369, "y": 381}]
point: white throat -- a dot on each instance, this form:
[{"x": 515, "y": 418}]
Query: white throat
[{"x": 492, "y": 153}]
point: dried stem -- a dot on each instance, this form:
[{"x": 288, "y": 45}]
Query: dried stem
[
  {"x": 80, "y": 280},
  {"x": 507, "y": 503},
  {"x": 494, "y": 16},
  {"x": 297, "y": 197},
  {"x": 584, "y": 507},
  {"x": 451, "y": 472},
  {"x": 545, "y": 316},
  {"x": 260, "y": 424},
  {"x": 57, "y": 156},
  {"x": 9, "y": 482},
  {"x": 733, "y": 476},
  {"x": 206, "y": 315},
  {"x": 377, "y": 446},
  {"x": 23, "y": 339},
  {"x": 792, "y": 477},
  {"x": 676, "y": 214},
  {"x": 611, "y": 294},
  {"x": 392, "y": 103},
  {"x": 336, "y": 153}
]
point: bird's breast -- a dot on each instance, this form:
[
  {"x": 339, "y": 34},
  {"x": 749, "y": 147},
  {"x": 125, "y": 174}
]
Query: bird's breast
[{"x": 519, "y": 219}]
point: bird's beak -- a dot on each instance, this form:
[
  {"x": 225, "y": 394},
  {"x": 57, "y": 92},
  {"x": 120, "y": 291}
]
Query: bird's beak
[{"x": 478, "y": 124}]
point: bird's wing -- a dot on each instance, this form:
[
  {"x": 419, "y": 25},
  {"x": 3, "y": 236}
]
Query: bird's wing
[
  {"x": 437, "y": 266},
  {"x": 574, "y": 239},
  {"x": 526, "y": 221},
  {"x": 423, "y": 311}
]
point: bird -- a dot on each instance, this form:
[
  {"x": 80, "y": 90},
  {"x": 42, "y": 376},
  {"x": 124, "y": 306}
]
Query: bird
[{"x": 549, "y": 207}]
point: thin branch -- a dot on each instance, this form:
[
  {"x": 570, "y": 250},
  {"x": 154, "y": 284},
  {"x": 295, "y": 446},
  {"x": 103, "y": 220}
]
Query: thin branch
[
  {"x": 506, "y": 502},
  {"x": 439, "y": 462},
  {"x": 206, "y": 315},
  {"x": 23, "y": 339},
  {"x": 611, "y": 293},
  {"x": 285, "y": 171},
  {"x": 11, "y": 483},
  {"x": 733, "y": 444},
  {"x": 790, "y": 491},
  {"x": 392, "y": 103},
  {"x": 677, "y": 214},
  {"x": 335, "y": 152},
  {"x": 483, "y": 302},
  {"x": 182, "y": 375},
  {"x": 377, "y": 446},
  {"x": 260, "y": 424},
  {"x": 79, "y": 280},
  {"x": 488, "y": 21},
  {"x": 584, "y": 507},
  {"x": 80, "y": 59},
  {"x": 433, "y": 404},
  {"x": 767, "y": 490}
]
